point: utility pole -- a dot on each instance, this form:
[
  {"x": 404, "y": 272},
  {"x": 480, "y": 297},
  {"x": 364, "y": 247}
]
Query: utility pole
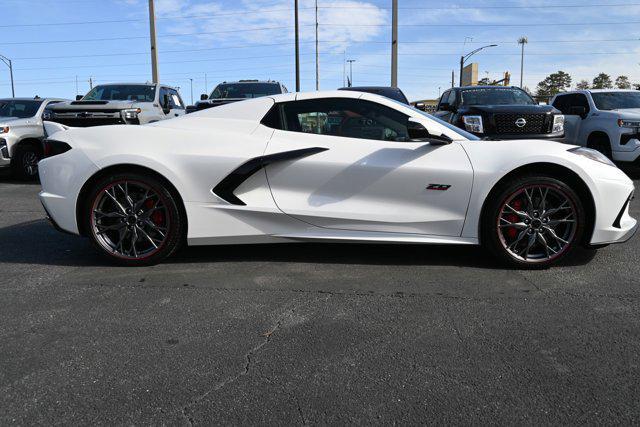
[
  {"x": 344, "y": 68},
  {"x": 77, "y": 86},
  {"x": 191, "y": 81},
  {"x": 9, "y": 64},
  {"x": 351, "y": 61},
  {"x": 453, "y": 77},
  {"x": 394, "y": 44},
  {"x": 522, "y": 41},
  {"x": 297, "y": 48},
  {"x": 317, "y": 54},
  {"x": 90, "y": 82},
  {"x": 463, "y": 58},
  {"x": 154, "y": 41}
]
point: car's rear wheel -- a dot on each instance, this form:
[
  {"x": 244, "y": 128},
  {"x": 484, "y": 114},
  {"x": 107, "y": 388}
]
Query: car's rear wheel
[
  {"x": 533, "y": 221},
  {"x": 25, "y": 162},
  {"x": 134, "y": 219}
]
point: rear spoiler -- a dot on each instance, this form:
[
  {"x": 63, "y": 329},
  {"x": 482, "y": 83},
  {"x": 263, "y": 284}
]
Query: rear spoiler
[{"x": 52, "y": 127}]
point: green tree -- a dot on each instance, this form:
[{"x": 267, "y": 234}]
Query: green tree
[
  {"x": 622, "y": 82},
  {"x": 582, "y": 84},
  {"x": 602, "y": 81},
  {"x": 554, "y": 83}
]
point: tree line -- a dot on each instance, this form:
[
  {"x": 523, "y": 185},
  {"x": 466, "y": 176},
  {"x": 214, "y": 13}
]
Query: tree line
[{"x": 560, "y": 82}]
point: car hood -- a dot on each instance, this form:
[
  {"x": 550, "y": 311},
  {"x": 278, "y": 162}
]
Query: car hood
[
  {"x": 630, "y": 113},
  {"x": 92, "y": 105},
  {"x": 515, "y": 109}
]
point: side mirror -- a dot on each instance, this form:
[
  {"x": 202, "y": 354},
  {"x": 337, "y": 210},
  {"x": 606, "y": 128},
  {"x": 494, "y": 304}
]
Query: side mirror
[
  {"x": 420, "y": 105},
  {"x": 78, "y": 97},
  {"x": 578, "y": 111},
  {"x": 203, "y": 97},
  {"x": 417, "y": 132}
]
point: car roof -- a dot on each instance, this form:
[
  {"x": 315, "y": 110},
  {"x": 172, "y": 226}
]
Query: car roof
[
  {"x": 135, "y": 84},
  {"x": 365, "y": 88},
  {"x": 251, "y": 81},
  {"x": 486, "y": 87}
]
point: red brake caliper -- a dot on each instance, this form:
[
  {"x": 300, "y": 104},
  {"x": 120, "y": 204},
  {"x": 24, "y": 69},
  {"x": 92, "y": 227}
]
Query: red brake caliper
[
  {"x": 157, "y": 217},
  {"x": 512, "y": 232}
]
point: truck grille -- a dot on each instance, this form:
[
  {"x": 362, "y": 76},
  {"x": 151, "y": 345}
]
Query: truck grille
[
  {"x": 506, "y": 123},
  {"x": 90, "y": 118}
]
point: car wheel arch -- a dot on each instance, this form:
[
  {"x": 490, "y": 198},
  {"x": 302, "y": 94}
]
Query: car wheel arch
[
  {"x": 553, "y": 170},
  {"x": 33, "y": 142},
  {"x": 120, "y": 168}
]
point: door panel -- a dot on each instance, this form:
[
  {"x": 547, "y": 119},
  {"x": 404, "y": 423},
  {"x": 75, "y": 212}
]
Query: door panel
[
  {"x": 572, "y": 129},
  {"x": 371, "y": 185}
]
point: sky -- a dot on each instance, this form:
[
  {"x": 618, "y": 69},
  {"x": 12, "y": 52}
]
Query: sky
[{"x": 204, "y": 42}]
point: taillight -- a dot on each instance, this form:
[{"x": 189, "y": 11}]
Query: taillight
[{"x": 51, "y": 147}]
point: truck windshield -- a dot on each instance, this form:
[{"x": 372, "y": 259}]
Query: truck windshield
[
  {"x": 244, "y": 90},
  {"x": 140, "y": 93},
  {"x": 495, "y": 96},
  {"x": 19, "y": 109},
  {"x": 616, "y": 100}
]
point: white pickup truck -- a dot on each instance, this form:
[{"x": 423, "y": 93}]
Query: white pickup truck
[
  {"x": 21, "y": 134},
  {"x": 607, "y": 120}
]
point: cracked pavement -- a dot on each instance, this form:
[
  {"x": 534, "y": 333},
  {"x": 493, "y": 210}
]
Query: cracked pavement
[{"x": 310, "y": 333}]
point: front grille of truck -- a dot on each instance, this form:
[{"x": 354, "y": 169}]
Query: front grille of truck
[
  {"x": 506, "y": 123},
  {"x": 89, "y": 118}
]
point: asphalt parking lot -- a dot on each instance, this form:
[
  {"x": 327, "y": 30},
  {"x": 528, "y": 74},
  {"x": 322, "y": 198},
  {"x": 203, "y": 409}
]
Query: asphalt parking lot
[{"x": 310, "y": 333}]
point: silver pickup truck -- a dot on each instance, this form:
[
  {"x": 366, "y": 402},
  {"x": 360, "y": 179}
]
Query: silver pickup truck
[
  {"x": 607, "y": 120},
  {"x": 21, "y": 134}
]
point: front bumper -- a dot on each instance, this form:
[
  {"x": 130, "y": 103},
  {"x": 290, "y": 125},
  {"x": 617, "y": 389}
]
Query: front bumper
[
  {"x": 559, "y": 136},
  {"x": 613, "y": 224}
]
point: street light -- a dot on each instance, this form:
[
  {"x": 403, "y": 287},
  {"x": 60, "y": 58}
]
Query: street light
[
  {"x": 469, "y": 55},
  {"x": 350, "y": 61},
  {"x": 8, "y": 63},
  {"x": 522, "y": 41}
]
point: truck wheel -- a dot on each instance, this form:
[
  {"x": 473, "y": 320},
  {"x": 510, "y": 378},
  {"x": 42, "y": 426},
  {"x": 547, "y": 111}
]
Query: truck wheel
[
  {"x": 24, "y": 162},
  {"x": 600, "y": 143}
]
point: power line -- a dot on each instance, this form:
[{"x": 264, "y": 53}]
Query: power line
[
  {"x": 540, "y": 24},
  {"x": 454, "y": 8}
]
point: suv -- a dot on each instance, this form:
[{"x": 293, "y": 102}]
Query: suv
[
  {"x": 228, "y": 92},
  {"x": 21, "y": 133},
  {"x": 607, "y": 120},
  {"x": 119, "y": 104},
  {"x": 388, "y": 91},
  {"x": 499, "y": 112}
]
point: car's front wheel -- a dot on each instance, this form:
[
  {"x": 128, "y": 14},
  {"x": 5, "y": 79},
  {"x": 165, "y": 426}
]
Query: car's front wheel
[
  {"x": 134, "y": 219},
  {"x": 533, "y": 221}
]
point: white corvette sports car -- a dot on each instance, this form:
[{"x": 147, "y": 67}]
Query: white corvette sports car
[{"x": 327, "y": 166}]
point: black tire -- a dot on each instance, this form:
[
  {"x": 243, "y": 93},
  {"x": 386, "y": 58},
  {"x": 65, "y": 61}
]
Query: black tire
[
  {"x": 24, "y": 162},
  {"x": 601, "y": 143},
  {"x": 498, "y": 235},
  {"x": 169, "y": 234}
]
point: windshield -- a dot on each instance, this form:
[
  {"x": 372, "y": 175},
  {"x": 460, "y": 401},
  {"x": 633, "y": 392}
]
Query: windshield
[
  {"x": 19, "y": 109},
  {"x": 491, "y": 96},
  {"x": 616, "y": 100},
  {"x": 141, "y": 93},
  {"x": 244, "y": 90},
  {"x": 449, "y": 126}
]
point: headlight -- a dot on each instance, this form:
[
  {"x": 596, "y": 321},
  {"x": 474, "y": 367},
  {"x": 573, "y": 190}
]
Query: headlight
[
  {"x": 131, "y": 114},
  {"x": 46, "y": 115},
  {"x": 473, "y": 123},
  {"x": 592, "y": 154},
  {"x": 4, "y": 129},
  {"x": 558, "y": 124},
  {"x": 628, "y": 123}
]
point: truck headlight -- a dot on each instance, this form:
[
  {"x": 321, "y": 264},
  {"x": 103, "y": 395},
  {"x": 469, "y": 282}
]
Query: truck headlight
[
  {"x": 628, "y": 123},
  {"x": 131, "y": 114},
  {"x": 558, "y": 124},
  {"x": 46, "y": 115},
  {"x": 4, "y": 129},
  {"x": 473, "y": 123}
]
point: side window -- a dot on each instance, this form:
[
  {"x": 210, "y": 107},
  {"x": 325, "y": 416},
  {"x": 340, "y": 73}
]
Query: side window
[
  {"x": 452, "y": 98},
  {"x": 346, "y": 117},
  {"x": 444, "y": 98},
  {"x": 176, "y": 101},
  {"x": 163, "y": 92},
  {"x": 561, "y": 103},
  {"x": 581, "y": 101}
]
